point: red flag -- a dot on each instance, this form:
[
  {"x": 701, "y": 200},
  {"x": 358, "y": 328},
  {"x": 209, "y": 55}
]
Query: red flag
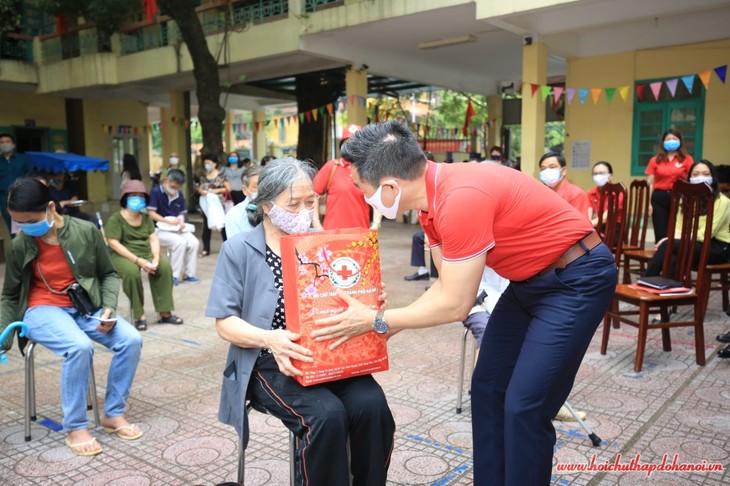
[
  {"x": 150, "y": 9},
  {"x": 469, "y": 114}
]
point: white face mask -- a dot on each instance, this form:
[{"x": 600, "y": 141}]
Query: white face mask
[
  {"x": 601, "y": 179},
  {"x": 376, "y": 202},
  {"x": 209, "y": 167},
  {"x": 550, "y": 177},
  {"x": 170, "y": 191},
  {"x": 174, "y": 160},
  {"x": 6, "y": 148},
  {"x": 701, "y": 179}
]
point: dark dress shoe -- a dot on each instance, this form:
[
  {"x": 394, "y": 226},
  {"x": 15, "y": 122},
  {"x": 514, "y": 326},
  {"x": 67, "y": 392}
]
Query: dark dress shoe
[
  {"x": 417, "y": 276},
  {"x": 724, "y": 338},
  {"x": 724, "y": 352}
]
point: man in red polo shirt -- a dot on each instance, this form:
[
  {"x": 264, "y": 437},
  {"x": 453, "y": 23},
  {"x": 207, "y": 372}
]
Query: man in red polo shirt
[
  {"x": 552, "y": 173},
  {"x": 345, "y": 206},
  {"x": 562, "y": 281}
]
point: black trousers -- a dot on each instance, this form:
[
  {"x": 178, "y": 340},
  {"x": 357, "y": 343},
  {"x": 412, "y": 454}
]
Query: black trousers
[
  {"x": 660, "y": 201},
  {"x": 207, "y": 232},
  {"x": 719, "y": 253},
  {"x": 418, "y": 256},
  {"x": 324, "y": 416}
]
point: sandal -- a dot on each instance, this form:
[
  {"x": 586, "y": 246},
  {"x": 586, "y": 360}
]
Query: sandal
[
  {"x": 171, "y": 319},
  {"x": 141, "y": 324},
  {"x": 74, "y": 447},
  {"x": 130, "y": 428}
]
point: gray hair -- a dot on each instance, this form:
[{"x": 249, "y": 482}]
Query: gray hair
[
  {"x": 276, "y": 177},
  {"x": 251, "y": 171},
  {"x": 176, "y": 175},
  {"x": 386, "y": 149}
]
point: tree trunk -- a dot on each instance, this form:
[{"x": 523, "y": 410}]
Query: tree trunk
[
  {"x": 315, "y": 90},
  {"x": 205, "y": 71}
]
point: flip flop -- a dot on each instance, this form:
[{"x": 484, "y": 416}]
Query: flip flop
[
  {"x": 130, "y": 428},
  {"x": 74, "y": 447},
  {"x": 171, "y": 319},
  {"x": 141, "y": 324}
]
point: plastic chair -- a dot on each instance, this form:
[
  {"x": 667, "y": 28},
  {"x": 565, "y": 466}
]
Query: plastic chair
[
  {"x": 30, "y": 408},
  {"x": 692, "y": 200},
  {"x": 462, "y": 367},
  {"x": 294, "y": 443}
]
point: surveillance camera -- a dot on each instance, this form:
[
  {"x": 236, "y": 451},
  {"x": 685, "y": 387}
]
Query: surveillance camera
[{"x": 527, "y": 40}]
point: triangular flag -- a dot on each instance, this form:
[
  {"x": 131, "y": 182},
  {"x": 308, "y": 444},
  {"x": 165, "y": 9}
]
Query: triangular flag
[
  {"x": 623, "y": 91},
  {"x": 569, "y": 93},
  {"x": 595, "y": 94},
  {"x": 314, "y": 113},
  {"x": 609, "y": 94},
  {"x": 689, "y": 82},
  {"x": 469, "y": 114},
  {"x": 301, "y": 118},
  {"x": 655, "y": 88},
  {"x": 308, "y": 115},
  {"x": 721, "y": 72},
  {"x": 330, "y": 108},
  {"x": 557, "y": 92},
  {"x": 533, "y": 88},
  {"x": 705, "y": 77},
  {"x": 257, "y": 125},
  {"x": 640, "y": 91},
  {"x": 545, "y": 91},
  {"x": 321, "y": 110},
  {"x": 268, "y": 122},
  {"x": 672, "y": 85},
  {"x": 582, "y": 94}
]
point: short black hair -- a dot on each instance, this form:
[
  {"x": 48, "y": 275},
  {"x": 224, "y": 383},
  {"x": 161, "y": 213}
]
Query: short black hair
[
  {"x": 603, "y": 162},
  {"x": 5, "y": 134},
  {"x": 28, "y": 195},
  {"x": 211, "y": 157},
  {"x": 561, "y": 159},
  {"x": 123, "y": 200}
]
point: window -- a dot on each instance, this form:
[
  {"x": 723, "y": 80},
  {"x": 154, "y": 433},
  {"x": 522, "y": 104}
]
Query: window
[{"x": 685, "y": 111}]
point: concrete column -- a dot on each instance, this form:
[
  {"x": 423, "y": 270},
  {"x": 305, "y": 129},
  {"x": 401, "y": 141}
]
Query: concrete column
[
  {"x": 229, "y": 140},
  {"x": 173, "y": 133},
  {"x": 259, "y": 136},
  {"x": 534, "y": 70},
  {"x": 494, "y": 109},
  {"x": 356, "y": 84}
]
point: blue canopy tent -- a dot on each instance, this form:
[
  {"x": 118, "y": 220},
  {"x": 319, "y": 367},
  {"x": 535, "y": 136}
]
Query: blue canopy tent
[{"x": 60, "y": 162}]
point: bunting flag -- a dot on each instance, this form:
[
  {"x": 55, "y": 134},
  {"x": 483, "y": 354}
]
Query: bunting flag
[
  {"x": 721, "y": 72},
  {"x": 623, "y": 91},
  {"x": 582, "y": 94},
  {"x": 557, "y": 92},
  {"x": 689, "y": 82},
  {"x": 640, "y": 91},
  {"x": 469, "y": 114},
  {"x": 596, "y": 94},
  {"x": 545, "y": 91},
  {"x": 655, "y": 89},
  {"x": 569, "y": 93},
  {"x": 672, "y": 85},
  {"x": 534, "y": 88},
  {"x": 705, "y": 77},
  {"x": 609, "y": 94}
]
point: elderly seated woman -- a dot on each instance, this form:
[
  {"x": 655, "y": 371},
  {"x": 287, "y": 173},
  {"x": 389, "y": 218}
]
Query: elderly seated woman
[
  {"x": 136, "y": 249},
  {"x": 246, "y": 300}
]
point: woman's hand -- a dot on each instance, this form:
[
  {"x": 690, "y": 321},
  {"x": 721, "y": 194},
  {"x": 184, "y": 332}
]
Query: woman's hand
[
  {"x": 106, "y": 325},
  {"x": 356, "y": 320},
  {"x": 382, "y": 297},
  {"x": 282, "y": 346}
]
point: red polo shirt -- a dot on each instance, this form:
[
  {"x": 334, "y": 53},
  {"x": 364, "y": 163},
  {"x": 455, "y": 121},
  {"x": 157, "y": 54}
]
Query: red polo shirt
[
  {"x": 574, "y": 195},
  {"x": 668, "y": 172},
  {"x": 519, "y": 223},
  {"x": 346, "y": 206}
]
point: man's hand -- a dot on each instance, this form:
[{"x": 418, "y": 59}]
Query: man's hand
[
  {"x": 107, "y": 322},
  {"x": 356, "y": 320}
]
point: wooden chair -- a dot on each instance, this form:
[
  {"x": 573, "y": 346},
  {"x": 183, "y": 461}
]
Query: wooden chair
[
  {"x": 635, "y": 239},
  {"x": 718, "y": 276},
  {"x": 613, "y": 229},
  {"x": 692, "y": 200}
]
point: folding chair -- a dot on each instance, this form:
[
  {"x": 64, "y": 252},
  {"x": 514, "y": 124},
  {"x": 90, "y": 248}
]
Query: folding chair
[{"x": 693, "y": 200}]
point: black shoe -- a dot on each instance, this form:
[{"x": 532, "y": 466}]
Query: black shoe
[
  {"x": 724, "y": 338},
  {"x": 724, "y": 352},
  {"x": 417, "y": 276}
]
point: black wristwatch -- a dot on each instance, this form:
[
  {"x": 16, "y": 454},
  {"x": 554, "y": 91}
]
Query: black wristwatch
[{"x": 380, "y": 326}]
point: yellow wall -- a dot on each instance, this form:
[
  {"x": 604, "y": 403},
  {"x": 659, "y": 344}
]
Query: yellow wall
[
  {"x": 18, "y": 106},
  {"x": 99, "y": 143},
  {"x": 609, "y": 127}
]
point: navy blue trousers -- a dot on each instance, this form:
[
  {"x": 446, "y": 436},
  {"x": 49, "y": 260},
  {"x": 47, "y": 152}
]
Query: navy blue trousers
[{"x": 535, "y": 341}]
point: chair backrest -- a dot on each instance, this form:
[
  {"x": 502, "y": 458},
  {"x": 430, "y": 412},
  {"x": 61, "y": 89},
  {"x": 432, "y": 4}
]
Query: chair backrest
[
  {"x": 613, "y": 229},
  {"x": 691, "y": 201},
  {"x": 638, "y": 212}
]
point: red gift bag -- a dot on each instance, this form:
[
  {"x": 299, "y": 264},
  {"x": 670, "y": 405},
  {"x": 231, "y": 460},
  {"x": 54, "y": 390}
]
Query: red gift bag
[{"x": 314, "y": 266}]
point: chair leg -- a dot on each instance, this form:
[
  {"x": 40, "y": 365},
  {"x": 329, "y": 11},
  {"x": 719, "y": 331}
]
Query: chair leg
[
  {"x": 241, "y": 462},
  {"x": 666, "y": 339},
  {"x": 29, "y": 389},
  {"x": 607, "y": 322},
  {"x": 724, "y": 287},
  {"x": 641, "y": 341},
  {"x": 294, "y": 444},
  {"x": 91, "y": 398},
  {"x": 460, "y": 384},
  {"x": 700, "y": 342}
]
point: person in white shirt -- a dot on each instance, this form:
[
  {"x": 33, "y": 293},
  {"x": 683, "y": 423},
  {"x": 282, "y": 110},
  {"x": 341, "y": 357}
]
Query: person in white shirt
[{"x": 237, "y": 218}]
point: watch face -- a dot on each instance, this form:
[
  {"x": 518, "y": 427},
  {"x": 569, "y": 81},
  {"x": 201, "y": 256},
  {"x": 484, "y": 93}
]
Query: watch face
[{"x": 380, "y": 326}]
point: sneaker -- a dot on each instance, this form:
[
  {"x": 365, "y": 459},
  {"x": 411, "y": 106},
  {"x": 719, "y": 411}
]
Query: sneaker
[
  {"x": 191, "y": 280},
  {"x": 175, "y": 281}
]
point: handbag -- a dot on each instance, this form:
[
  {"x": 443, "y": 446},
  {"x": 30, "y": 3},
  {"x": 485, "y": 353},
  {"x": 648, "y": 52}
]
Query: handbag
[{"x": 76, "y": 293}]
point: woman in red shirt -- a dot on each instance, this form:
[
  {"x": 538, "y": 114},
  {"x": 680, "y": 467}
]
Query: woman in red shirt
[{"x": 669, "y": 165}]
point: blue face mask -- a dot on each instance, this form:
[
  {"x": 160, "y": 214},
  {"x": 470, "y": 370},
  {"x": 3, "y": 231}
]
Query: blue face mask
[
  {"x": 39, "y": 228},
  {"x": 136, "y": 203},
  {"x": 232, "y": 160},
  {"x": 671, "y": 145}
]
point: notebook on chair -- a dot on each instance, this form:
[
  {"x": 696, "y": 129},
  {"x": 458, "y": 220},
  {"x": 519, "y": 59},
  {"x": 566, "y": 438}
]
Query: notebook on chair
[{"x": 660, "y": 283}]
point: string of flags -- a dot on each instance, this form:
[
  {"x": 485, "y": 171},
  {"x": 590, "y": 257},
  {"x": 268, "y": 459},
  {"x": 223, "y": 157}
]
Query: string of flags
[{"x": 641, "y": 89}]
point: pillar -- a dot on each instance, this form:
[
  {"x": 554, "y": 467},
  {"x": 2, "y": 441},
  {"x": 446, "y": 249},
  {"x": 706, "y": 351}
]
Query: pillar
[
  {"x": 534, "y": 70},
  {"x": 494, "y": 109},
  {"x": 356, "y": 90},
  {"x": 259, "y": 135},
  {"x": 174, "y": 133},
  {"x": 229, "y": 138}
]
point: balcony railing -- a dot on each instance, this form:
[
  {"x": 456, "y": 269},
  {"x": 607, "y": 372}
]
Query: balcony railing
[
  {"x": 16, "y": 47},
  {"x": 259, "y": 11},
  {"x": 144, "y": 38},
  {"x": 314, "y": 5},
  {"x": 83, "y": 40}
]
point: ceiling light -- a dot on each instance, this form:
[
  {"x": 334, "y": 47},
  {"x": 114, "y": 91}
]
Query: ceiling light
[{"x": 449, "y": 41}]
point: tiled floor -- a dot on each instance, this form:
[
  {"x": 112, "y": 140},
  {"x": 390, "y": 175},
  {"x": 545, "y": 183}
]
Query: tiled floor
[{"x": 672, "y": 407}]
